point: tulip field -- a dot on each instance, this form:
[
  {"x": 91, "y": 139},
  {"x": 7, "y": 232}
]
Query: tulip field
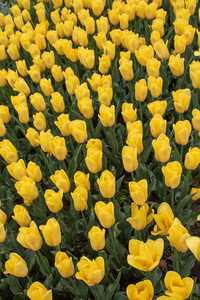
[{"x": 99, "y": 149}]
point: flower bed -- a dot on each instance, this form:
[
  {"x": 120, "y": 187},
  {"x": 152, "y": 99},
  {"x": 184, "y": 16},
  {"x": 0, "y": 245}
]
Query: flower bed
[{"x": 99, "y": 140}]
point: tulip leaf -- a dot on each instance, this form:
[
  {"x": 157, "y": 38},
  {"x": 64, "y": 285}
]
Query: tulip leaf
[
  {"x": 184, "y": 187},
  {"x": 176, "y": 153},
  {"x": 20, "y": 296},
  {"x": 95, "y": 292},
  {"x": 120, "y": 296},
  {"x": 154, "y": 277},
  {"x": 30, "y": 258},
  {"x": 112, "y": 288},
  {"x": 184, "y": 202},
  {"x": 186, "y": 264},
  {"x": 74, "y": 161},
  {"x": 118, "y": 183},
  {"x": 4, "y": 288},
  {"x": 14, "y": 284},
  {"x": 43, "y": 263},
  {"x": 69, "y": 287},
  {"x": 196, "y": 290},
  {"x": 145, "y": 154}
]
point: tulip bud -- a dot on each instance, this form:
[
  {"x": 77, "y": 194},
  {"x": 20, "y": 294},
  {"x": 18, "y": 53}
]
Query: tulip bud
[
  {"x": 144, "y": 53},
  {"x": 63, "y": 124},
  {"x": 81, "y": 179},
  {"x": 93, "y": 160},
  {"x": 134, "y": 139},
  {"x": 141, "y": 290},
  {"x": 16, "y": 266},
  {"x": 182, "y": 130},
  {"x": 182, "y": 99},
  {"x": 51, "y": 232},
  {"x": 97, "y": 238},
  {"x": 34, "y": 171},
  {"x": 178, "y": 235},
  {"x": 61, "y": 180},
  {"x": 56, "y": 72},
  {"x": 176, "y": 65},
  {"x": 37, "y": 100},
  {"x": 172, "y": 173},
  {"x": 8, "y": 151},
  {"x": 141, "y": 90},
  {"x": 105, "y": 94},
  {"x": 126, "y": 70},
  {"x": 95, "y": 81},
  {"x": 80, "y": 197},
  {"x": 27, "y": 189},
  {"x": 46, "y": 86},
  {"x": 54, "y": 200},
  {"x": 64, "y": 264},
  {"x": 162, "y": 148},
  {"x": 164, "y": 219},
  {"x": 38, "y": 291},
  {"x": 17, "y": 169},
  {"x": 153, "y": 67},
  {"x": 21, "y": 86},
  {"x": 107, "y": 115},
  {"x": 104, "y": 64},
  {"x": 155, "y": 86},
  {"x": 106, "y": 184},
  {"x": 58, "y": 147},
  {"x": 21, "y": 216},
  {"x": 21, "y": 67},
  {"x": 57, "y": 102},
  {"x": 129, "y": 158},
  {"x": 140, "y": 217},
  {"x": 157, "y": 125},
  {"x": 33, "y": 136},
  {"x": 196, "y": 119},
  {"x": 105, "y": 213},
  {"x": 78, "y": 130},
  {"x": 29, "y": 237},
  {"x": 161, "y": 49},
  {"x": 192, "y": 158},
  {"x": 34, "y": 73},
  {"x": 128, "y": 113},
  {"x": 139, "y": 191}
]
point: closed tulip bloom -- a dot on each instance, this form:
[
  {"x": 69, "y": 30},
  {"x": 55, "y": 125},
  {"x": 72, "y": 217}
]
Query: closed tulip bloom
[
  {"x": 13, "y": 52},
  {"x": 33, "y": 136},
  {"x": 82, "y": 91},
  {"x": 17, "y": 169},
  {"x": 34, "y": 73},
  {"x": 51, "y": 232},
  {"x": 161, "y": 49},
  {"x": 64, "y": 264},
  {"x": 155, "y": 86},
  {"x": 57, "y": 102},
  {"x": 37, "y": 60},
  {"x": 3, "y": 54},
  {"x": 145, "y": 256},
  {"x": 105, "y": 94},
  {"x": 3, "y": 77},
  {"x": 21, "y": 215},
  {"x": 8, "y": 151},
  {"x": 49, "y": 59},
  {"x": 134, "y": 139},
  {"x": 38, "y": 291},
  {"x": 126, "y": 70},
  {"x": 182, "y": 99},
  {"x": 21, "y": 67},
  {"x": 78, "y": 130},
  {"x": 196, "y": 119},
  {"x": 2, "y": 233},
  {"x": 193, "y": 243},
  {"x": 103, "y": 24},
  {"x": 195, "y": 191},
  {"x": 54, "y": 199},
  {"x": 16, "y": 266},
  {"x": 46, "y": 87},
  {"x": 39, "y": 121},
  {"x": 155, "y": 36},
  {"x": 139, "y": 191},
  {"x": 157, "y": 107},
  {"x": 153, "y": 67},
  {"x": 158, "y": 25},
  {"x": 89, "y": 24},
  {"x": 194, "y": 74},
  {"x": 87, "y": 58},
  {"x": 141, "y": 9},
  {"x": 97, "y": 238},
  {"x": 192, "y": 158},
  {"x": 21, "y": 86},
  {"x": 144, "y": 53},
  {"x": 162, "y": 148},
  {"x": 40, "y": 41},
  {"x": 141, "y": 90},
  {"x": 11, "y": 78},
  {"x": 68, "y": 27},
  {"x": 95, "y": 81},
  {"x": 129, "y": 158},
  {"x": 106, "y": 184},
  {"x": 29, "y": 237},
  {"x": 113, "y": 15},
  {"x": 105, "y": 213},
  {"x": 164, "y": 219},
  {"x": 23, "y": 112},
  {"x": 86, "y": 108},
  {"x": 63, "y": 124},
  {"x": 182, "y": 130},
  {"x": 157, "y": 125},
  {"x": 176, "y": 65},
  {"x": 151, "y": 10},
  {"x": 94, "y": 144},
  {"x": 80, "y": 197},
  {"x": 34, "y": 171},
  {"x": 177, "y": 287},
  {"x": 37, "y": 100},
  {"x": 129, "y": 114},
  {"x": 109, "y": 49},
  {"x": 91, "y": 272},
  {"x": 27, "y": 189},
  {"x": 107, "y": 115},
  {"x": 139, "y": 218},
  {"x": 56, "y": 72},
  {"x": 61, "y": 180},
  {"x": 58, "y": 147},
  {"x": 93, "y": 160},
  {"x": 172, "y": 173},
  {"x": 71, "y": 84},
  {"x": 82, "y": 179},
  {"x": 3, "y": 217},
  {"x": 143, "y": 290},
  {"x": 188, "y": 32},
  {"x": 180, "y": 43},
  {"x": 104, "y": 64}
]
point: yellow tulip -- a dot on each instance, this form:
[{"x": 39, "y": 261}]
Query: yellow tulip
[
  {"x": 17, "y": 169},
  {"x": 78, "y": 130},
  {"x": 129, "y": 158},
  {"x": 193, "y": 243},
  {"x": 153, "y": 67},
  {"x": 106, "y": 184},
  {"x": 157, "y": 125},
  {"x": 97, "y": 238},
  {"x": 29, "y": 237},
  {"x": 172, "y": 173},
  {"x": 134, "y": 139},
  {"x": 143, "y": 290},
  {"x": 64, "y": 264},
  {"x": 38, "y": 291},
  {"x": 107, "y": 115},
  {"x": 61, "y": 180},
  {"x": 178, "y": 235},
  {"x": 51, "y": 232},
  {"x": 141, "y": 90},
  {"x": 16, "y": 266},
  {"x": 182, "y": 130},
  {"x": 8, "y": 151},
  {"x": 155, "y": 86},
  {"x": 105, "y": 94},
  {"x": 139, "y": 218},
  {"x": 196, "y": 119},
  {"x": 176, "y": 64},
  {"x": 21, "y": 215},
  {"x": 139, "y": 191},
  {"x": 93, "y": 160},
  {"x": 27, "y": 189},
  {"x": 162, "y": 148},
  {"x": 58, "y": 148},
  {"x": 80, "y": 197},
  {"x": 164, "y": 219},
  {"x": 182, "y": 99},
  {"x": 37, "y": 100},
  {"x": 105, "y": 213}
]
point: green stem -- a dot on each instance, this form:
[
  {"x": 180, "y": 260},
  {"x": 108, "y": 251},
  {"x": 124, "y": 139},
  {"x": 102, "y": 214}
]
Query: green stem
[
  {"x": 113, "y": 244},
  {"x": 100, "y": 291},
  {"x": 46, "y": 267},
  {"x": 113, "y": 140},
  {"x": 131, "y": 91},
  {"x": 196, "y": 99},
  {"x": 181, "y": 153},
  {"x": 58, "y": 248},
  {"x": 92, "y": 127},
  {"x": 64, "y": 166},
  {"x": 84, "y": 219},
  {"x": 71, "y": 143},
  {"x": 172, "y": 199},
  {"x": 196, "y": 139},
  {"x": 8, "y": 227},
  {"x": 51, "y": 164},
  {"x": 132, "y": 176},
  {"x": 141, "y": 115},
  {"x": 29, "y": 279},
  {"x": 73, "y": 284},
  {"x": 5, "y": 248}
]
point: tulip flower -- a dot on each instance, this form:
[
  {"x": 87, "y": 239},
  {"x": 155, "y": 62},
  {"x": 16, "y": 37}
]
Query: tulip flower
[
  {"x": 27, "y": 189},
  {"x": 95, "y": 81},
  {"x": 143, "y": 290},
  {"x": 128, "y": 113},
  {"x": 61, "y": 180},
  {"x": 153, "y": 67},
  {"x": 143, "y": 53},
  {"x": 82, "y": 91},
  {"x": 105, "y": 94},
  {"x": 176, "y": 65},
  {"x": 129, "y": 158},
  {"x": 57, "y": 102},
  {"x": 16, "y": 266},
  {"x": 172, "y": 173},
  {"x": 177, "y": 287},
  {"x": 58, "y": 147},
  {"x": 91, "y": 272},
  {"x": 164, "y": 219},
  {"x": 46, "y": 86},
  {"x": 38, "y": 291},
  {"x": 93, "y": 160},
  {"x": 17, "y": 169},
  {"x": 192, "y": 158},
  {"x": 21, "y": 215},
  {"x": 56, "y": 72},
  {"x": 54, "y": 200},
  {"x": 178, "y": 235},
  {"x": 37, "y": 100},
  {"x": 193, "y": 243},
  {"x": 39, "y": 121},
  {"x": 139, "y": 191},
  {"x": 104, "y": 64},
  {"x": 51, "y": 232},
  {"x": 2, "y": 233},
  {"x": 141, "y": 90},
  {"x": 157, "y": 125},
  {"x": 78, "y": 130},
  {"x": 106, "y": 184},
  {"x": 97, "y": 238},
  {"x": 126, "y": 70},
  {"x": 34, "y": 73},
  {"x": 63, "y": 124},
  {"x": 3, "y": 217},
  {"x": 134, "y": 139},
  {"x": 181, "y": 99},
  {"x": 4, "y": 114},
  {"x": 105, "y": 213},
  {"x": 161, "y": 49},
  {"x": 194, "y": 74},
  {"x": 64, "y": 264},
  {"x": 195, "y": 191},
  {"x": 162, "y": 148},
  {"x": 196, "y": 119},
  {"x": 155, "y": 86},
  {"x": 145, "y": 256},
  {"x": 29, "y": 237},
  {"x": 139, "y": 219},
  {"x": 182, "y": 130},
  {"x": 80, "y": 197},
  {"x": 109, "y": 49},
  {"x": 34, "y": 172},
  {"x": 107, "y": 115},
  {"x": 82, "y": 179},
  {"x": 136, "y": 127}
]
